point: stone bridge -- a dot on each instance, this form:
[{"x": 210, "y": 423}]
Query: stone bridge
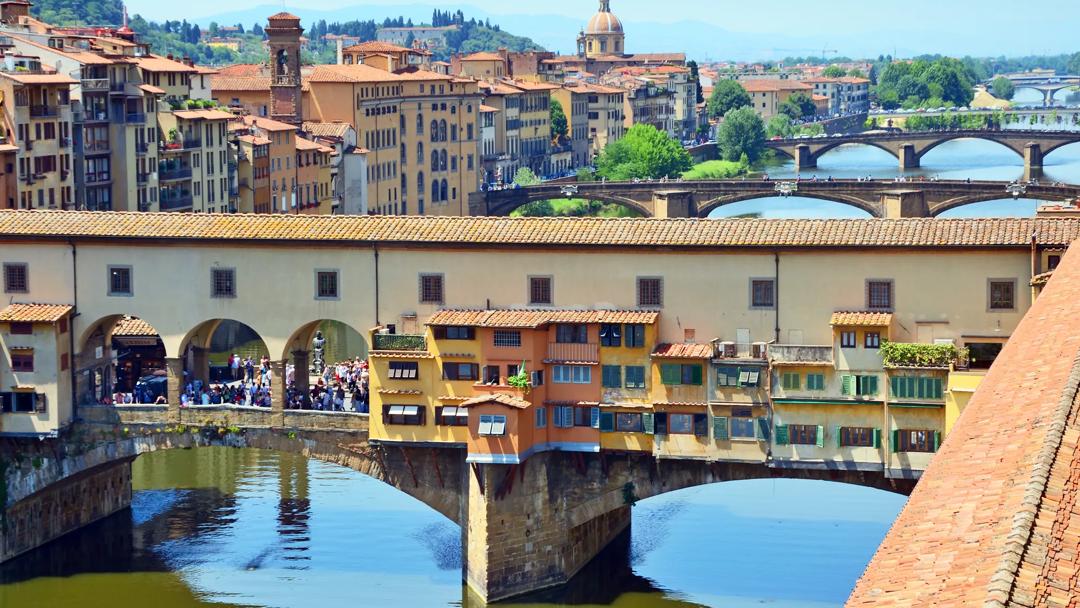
[
  {"x": 910, "y": 147},
  {"x": 1048, "y": 86},
  {"x": 524, "y": 527},
  {"x": 879, "y": 198}
]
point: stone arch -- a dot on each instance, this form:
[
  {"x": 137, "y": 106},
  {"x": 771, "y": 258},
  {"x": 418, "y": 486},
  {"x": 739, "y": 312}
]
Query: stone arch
[
  {"x": 872, "y": 208},
  {"x": 1058, "y": 145},
  {"x": 937, "y": 209},
  {"x": 196, "y": 349},
  {"x": 101, "y": 368},
  {"x": 1017, "y": 149},
  {"x": 829, "y": 147},
  {"x": 515, "y": 199}
]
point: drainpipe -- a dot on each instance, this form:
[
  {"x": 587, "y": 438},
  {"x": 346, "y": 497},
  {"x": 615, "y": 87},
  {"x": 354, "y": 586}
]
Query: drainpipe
[
  {"x": 1035, "y": 266},
  {"x": 776, "y": 295},
  {"x": 375, "y": 250},
  {"x": 71, "y": 327}
]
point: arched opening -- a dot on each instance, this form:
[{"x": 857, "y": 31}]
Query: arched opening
[
  {"x": 1005, "y": 207},
  {"x": 328, "y": 368},
  {"x": 225, "y": 361},
  {"x": 790, "y": 207},
  {"x": 121, "y": 359},
  {"x": 1062, "y": 164}
]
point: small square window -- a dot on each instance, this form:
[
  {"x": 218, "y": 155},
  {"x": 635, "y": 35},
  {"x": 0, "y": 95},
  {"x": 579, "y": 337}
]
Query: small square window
[
  {"x": 22, "y": 362},
  {"x": 762, "y": 293},
  {"x": 16, "y": 278},
  {"x": 540, "y": 290},
  {"x": 650, "y": 292},
  {"x": 1002, "y": 294},
  {"x": 848, "y": 339},
  {"x": 431, "y": 289},
  {"x": 120, "y": 281},
  {"x": 508, "y": 338},
  {"x": 872, "y": 340},
  {"x": 21, "y": 329},
  {"x": 879, "y": 294},
  {"x": 223, "y": 282},
  {"x": 326, "y": 285}
]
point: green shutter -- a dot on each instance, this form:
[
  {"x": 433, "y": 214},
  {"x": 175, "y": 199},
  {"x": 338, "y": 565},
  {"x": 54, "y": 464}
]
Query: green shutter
[
  {"x": 938, "y": 392},
  {"x": 836, "y": 429},
  {"x": 894, "y": 385},
  {"x": 912, "y": 388},
  {"x": 877, "y": 438},
  {"x": 607, "y": 422},
  {"x": 670, "y": 374},
  {"x": 895, "y": 441},
  {"x": 695, "y": 375},
  {"x": 871, "y": 388},
  {"x": 847, "y": 385},
  {"x": 720, "y": 428},
  {"x": 761, "y": 429},
  {"x": 647, "y": 423},
  {"x": 820, "y": 436},
  {"x": 781, "y": 434},
  {"x": 937, "y": 440}
]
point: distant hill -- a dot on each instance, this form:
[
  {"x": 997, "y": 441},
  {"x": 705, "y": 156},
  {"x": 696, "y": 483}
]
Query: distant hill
[{"x": 79, "y": 12}]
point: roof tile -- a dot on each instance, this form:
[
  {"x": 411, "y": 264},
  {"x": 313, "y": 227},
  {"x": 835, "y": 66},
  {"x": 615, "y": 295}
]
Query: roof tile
[{"x": 34, "y": 313}]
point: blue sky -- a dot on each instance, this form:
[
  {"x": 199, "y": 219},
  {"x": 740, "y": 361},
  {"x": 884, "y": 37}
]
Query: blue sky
[{"x": 765, "y": 27}]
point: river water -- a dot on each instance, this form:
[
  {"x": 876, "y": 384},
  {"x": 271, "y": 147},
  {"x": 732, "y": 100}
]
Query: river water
[{"x": 229, "y": 527}]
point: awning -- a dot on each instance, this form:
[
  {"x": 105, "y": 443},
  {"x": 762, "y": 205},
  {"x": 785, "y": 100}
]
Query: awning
[
  {"x": 404, "y": 410},
  {"x": 455, "y": 412}
]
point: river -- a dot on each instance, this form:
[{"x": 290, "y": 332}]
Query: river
[{"x": 229, "y": 527}]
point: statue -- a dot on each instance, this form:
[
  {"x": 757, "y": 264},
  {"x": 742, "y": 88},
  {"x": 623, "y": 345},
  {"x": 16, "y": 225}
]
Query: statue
[{"x": 317, "y": 363}]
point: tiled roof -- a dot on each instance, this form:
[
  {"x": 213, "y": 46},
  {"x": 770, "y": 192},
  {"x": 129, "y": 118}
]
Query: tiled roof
[
  {"x": 268, "y": 124},
  {"x": 683, "y": 351},
  {"x": 203, "y": 115},
  {"x": 326, "y": 129},
  {"x": 155, "y": 63},
  {"x": 500, "y": 398},
  {"x": 250, "y": 84},
  {"x": 861, "y": 319},
  {"x": 376, "y": 46},
  {"x": 482, "y": 56},
  {"x": 149, "y": 88},
  {"x": 133, "y": 326},
  {"x": 400, "y": 354},
  {"x": 351, "y": 73},
  {"x": 306, "y": 145},
  {"x": 532, "y": 318},
  {"x": 562, "y": 232},
  {"x": 765, "y": 85},
  {"x": 23, "y": 78},
  {"x": 995, "y": 519},
  {"x": 34, "y": 313},
  {"x": 243, "y": 70}
]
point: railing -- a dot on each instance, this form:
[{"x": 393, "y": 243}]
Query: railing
[
  {"x": 142, "y": 178},
  {"x": 136, "y": 118},
  {"x": 65, "y": 142},
  {"x": 285, "y": 81},
  {"x": 174, "y": 174},
  {"x": 175, "y": 202},
  {"x": 186, "y": 144},
  {"x": 98, "y": 178},
  {"x": 900, "y": 354},
  {"x": 95, "y": 84},
  {"x": 578, "y": 353},
  {"x": 142, "y": 148},
  {"x": 96, "y": 116},
  {"x": 91, "y": 147},
  {"x": 798, "y": 353},
  {"x": 400, "y": 342},
  {"x": 117, "y": 87},
  {"x": 44, "y": 111}
]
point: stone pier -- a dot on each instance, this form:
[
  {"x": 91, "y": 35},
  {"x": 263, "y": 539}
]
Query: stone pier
[
  {"x": 804, "y": 157},
  {"x": 909, "y": 157}
]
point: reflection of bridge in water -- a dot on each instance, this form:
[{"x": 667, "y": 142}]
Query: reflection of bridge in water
[{"x": 879, "y": 198}]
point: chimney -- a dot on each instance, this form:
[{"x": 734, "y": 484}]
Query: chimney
[
  {"x": 340, "y": 47},
  {"x": 169, "y": 56}
]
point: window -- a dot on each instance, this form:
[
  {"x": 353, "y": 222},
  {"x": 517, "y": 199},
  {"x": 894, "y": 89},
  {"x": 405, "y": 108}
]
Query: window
[
  {"x": 610, "y": 334},
  {"x": 411, "y": 415},
  {"x": 862, "y": 386},
  {"x": 858, "y": 437},
  {"x": 22, "y": 361},
  {"x": 326, "y": 285},
  {"x": 680, "y": 424},
  {"x": 1052, "y": 261},
  {"x": 120, "y": 281},
  {"x": 564, "y": 416},
  {"x": 635, "y": 336},
  {"x": 790, "y": 381},
  {"x": 848, "y": 339},
  {"x": 431, "y": 289},
  {"x": 916, "y": 387},
  {"x": 680, "y": 374},
  {"x": 762, "y": 293},
  {"x": 738, "y": 377},
  {"x": 21, "y": 329},
  {"x": 586, "y": 416},
  {"x": 491, "y": 374},
  {"x": 742, "y": 428},
  {"x": 541, "y": 417},
  {"x": 451, "y": 416},
  {"x": 222, "y": 282},
  {"x": 872, "y": 339},
  {"x": 507, "y": 337},
  {"x": 566, "y": 333},
  {"x": 22, "y": 403},
  {"x": 650, "y": 292},
  {"x": 454, "y": 332},
  {"x": 540, "y": 290},
  {"x": 879, "y": 294},
  {"x": 915, "y": 441},
  {"x": 461, "y": 371},
  {"x": 629, "y": 423},
  {"x": 16, "y": 278},
  {"x": 1002, "y": 293},
  {"x": 403, "y": 370},
  {"x": 611, "y": 376},
  {"x": 635, "y": 376},
  {"x": 571, "y": 374},
  {"x": 537, "y": 377},
  {"x": 804, "y": 434},
  {"x": 815, "y": 382}
]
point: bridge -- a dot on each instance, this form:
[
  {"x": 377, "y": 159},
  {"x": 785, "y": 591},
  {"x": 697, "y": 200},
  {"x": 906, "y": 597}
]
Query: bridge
[
  {"x": 1047, "y": 85},
  {"x": 879, "y": 198},
  {"x": 910, "y": 147}
]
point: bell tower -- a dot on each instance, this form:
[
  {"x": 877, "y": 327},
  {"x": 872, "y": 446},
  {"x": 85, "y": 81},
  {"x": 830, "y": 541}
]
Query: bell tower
[{"x": 286, "y": 101}]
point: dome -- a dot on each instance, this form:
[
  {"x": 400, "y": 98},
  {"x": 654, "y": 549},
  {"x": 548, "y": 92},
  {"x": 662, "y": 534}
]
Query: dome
[{"x": 604, "y": 22}]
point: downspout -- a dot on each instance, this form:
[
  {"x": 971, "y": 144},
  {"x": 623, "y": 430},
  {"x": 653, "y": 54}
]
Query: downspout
[
  {"x": 776, "y": 296},
  {"x": 375, "y": 250},
  {"x": 71, "y": 327},
  {"x": 1035, "y": 266}
]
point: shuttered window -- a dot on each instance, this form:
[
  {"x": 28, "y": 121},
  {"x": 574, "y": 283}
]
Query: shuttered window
[
  {"x": 611, "y": 376},
  {"x": 815, "y": 382},
  {"x": 635, "y": 376},
  {"x": 790, "y": 381}
]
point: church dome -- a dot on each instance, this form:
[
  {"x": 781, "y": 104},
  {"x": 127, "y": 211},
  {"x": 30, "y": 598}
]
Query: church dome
[{"x": 604, "y": 22}]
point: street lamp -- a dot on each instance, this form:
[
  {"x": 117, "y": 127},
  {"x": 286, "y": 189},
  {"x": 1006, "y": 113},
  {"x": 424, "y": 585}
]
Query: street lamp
[
  {"x": 569, "y": 191},
  {"x": 1016, "y": 189},
  {"x": 786, "y": 188}
]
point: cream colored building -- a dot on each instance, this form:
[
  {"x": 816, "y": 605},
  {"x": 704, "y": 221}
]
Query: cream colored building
[
  {"x": 37, "y": 110},
  {"x": 194, "y": 171}
]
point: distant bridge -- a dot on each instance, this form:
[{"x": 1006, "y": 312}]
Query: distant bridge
[
  {"x": 1047, "y": 85},
  {"x": 910, "y": 147},
  {"x": 879, "y": 198}
]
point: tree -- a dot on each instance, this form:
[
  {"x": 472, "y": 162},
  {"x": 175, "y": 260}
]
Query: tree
[
  {"x": 1002, "y": 88},
  {"x": 856, "y": 73},
  {"x": 742, "y": 132},
  {"x": 644, "y": 152},
  {"x": 779, "y": 126},
  {"x": 525, "y": 177},
  {"x": 834, "y": 71},
  {"x": 727, "y": 95},
  {"x": 559, "y": 127},
  {"x": 798, "y": 105},
  {"x": 695, "y": 77}
]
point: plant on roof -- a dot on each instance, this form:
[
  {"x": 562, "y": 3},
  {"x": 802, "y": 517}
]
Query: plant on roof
[
  {"x": 521, "y": 379},
  {"x": 903, "y": 354}
]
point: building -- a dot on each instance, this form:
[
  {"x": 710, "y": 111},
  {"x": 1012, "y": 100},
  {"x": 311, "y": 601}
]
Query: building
[
  {"x": 575, "y": 104},
  {"x": 481, "y": 66},
  {"x": 503, "y": 163},
  {"x": 314, "y": 177},
  {"x": 534, "y": 124},
  {"x": 846, "y": 95},
  {"x": 644, "y": 102},
  {"x": 348, "y": 171},
  {"x": 286, "y": 89},
  {"x": 384, "y": 56},
  {"x": 603, "y": 35},
  {"x": 35, "y": 385},
  {"x": 194, "y": 171},
  {"x": 767, "y": 94}
]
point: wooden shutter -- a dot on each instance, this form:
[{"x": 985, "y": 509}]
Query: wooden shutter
[
  {"x": 895, "y": 441},
  {"x": 439, "y": 332},
  {"x": 720, "y": 428},
  {"x": 839, "y": 436},
  {"x": 647, "y": 423},
  {"x": 820, "y": 436},
  {"x": 607, "y": 422},
  {"x": 937, "y": 440},
  {"x": 39, "y": 407},
  {"x": 877, "y": 438},
  {"x": 594, "y": 417},
  {"x": 761, "y": 429},
  {"x": 871, "y": 388},
  {"x": 781, "y": 434},
  {"x": 670, "y": 374},
  {"x": 695, "y": 375},
  {"x": 894, "y": 384},
  {"x": 847, "y": 385}
]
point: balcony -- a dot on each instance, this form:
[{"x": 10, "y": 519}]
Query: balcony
[
  {"x": 400, "y": 342},
  {"x": 95, "y": 116},
  {"x": 135, "y": 118},
  {"x": 142, "y": 178},
  {"x": 92, "y": 85},
  {"x": 798, "y": 354},
  {"x": 44, "y": 111},
  {"x": 175, "y": 203},
  {"x": 65, "y": 142},
  {"x": 186, "y": 144},
  {"x": 117, "y": 88},
  {"x": 101, "y": 177},
  {"x": 929, "y": 356},
  {"x": 96, "y": 147},
  {"x": 174, "y": 174},
  {"x": 142, "y": 148},
  {"x": 573, "y": 353}
]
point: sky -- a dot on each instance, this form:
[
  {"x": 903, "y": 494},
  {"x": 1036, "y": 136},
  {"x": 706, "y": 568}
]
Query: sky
[{"x": 765, "y": 27}]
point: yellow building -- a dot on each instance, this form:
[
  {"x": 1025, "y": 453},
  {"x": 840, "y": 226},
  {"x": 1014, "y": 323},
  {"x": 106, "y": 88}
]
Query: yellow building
[
  {"x": 35, "y": 380},
  {"x": 194, "y": 170}
]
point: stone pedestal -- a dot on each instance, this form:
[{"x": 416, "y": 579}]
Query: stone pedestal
[
  {"x": 904, "y": 203},
  {"x": 301, "y": 375},
  {"x": 804, "y": 159},
  {"x": 1033, "y": 157},
  {"x": 908, "y": 158},
  {"x": 174, "y": 385},
  {"x": 277, "y": 394},
  {"x": 674, "y": 203}
]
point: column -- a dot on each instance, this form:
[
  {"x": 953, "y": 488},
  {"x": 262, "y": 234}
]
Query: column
[
  {"x": 277, "y": 393},
  {"x": 174, "y": 385},
  {"x": 1033, "y": 157},
  {"x": 904, "y": 203},
  {"x": 908, "y": 158},
  {"x": 302, "y": 376},
  {"x": 200, "y": 369},
  {"x": 804, "y": 158}
]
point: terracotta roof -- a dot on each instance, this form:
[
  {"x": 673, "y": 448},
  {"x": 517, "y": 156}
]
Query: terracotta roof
[
  {"x": 500, "y": 398},
  {"x": 34, "y": 313},
  {"x": 765, "y": 85},
  {"x": 306, "y": 145},
  {"x": 995, "y": 519},
  {"x": 326, "y": 129},
  {"x": 155, "y": 63},
  {"x": 75, "y": 54},
  {"x": 400, "y": 354},
  {"x": 251, "y": 84},
  {"x": 376, "y": 46},
  {"x": 482, "y": 56},
  {"x": 24, "y": 78},
  {"x": 394, "y": 391},
  {"x": 151, "y": 89},
  {"x": 861, "y": 319},
  {"x": 533, "y": 318},
  {"x": 1012, "y": 233},
  {"x": 242, "y": 70},
  {"x": 133, "y": 326},
  {"x": 255, "y": 140},
  {"x": 532, "y": 86},
  {"x": 484, "y": 109},
  {"x": 268, "y": 124},
  {"x": 203, "y": 115},
  {"x": 283, "y": 16},
  {"x": 683, "y": 351},
  {"x": 9, "y": 148},
  {"x": 351, "y": 73}
]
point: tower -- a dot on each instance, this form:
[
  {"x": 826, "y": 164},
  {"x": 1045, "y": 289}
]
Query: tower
[
  {"x": 603, "y": 35},
  {"x": 286, "y": 101}
]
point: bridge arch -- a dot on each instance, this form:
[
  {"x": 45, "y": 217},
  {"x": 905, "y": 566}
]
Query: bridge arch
[
  {"x": 351, "y": 340},
  {"x": 832, "y": 146},
  {"x": 872, "y": 208},
  {"x": 210, "y": 343},
  {"x": 506, "y": 207},
  {"x": 937, "y": 209},
  {"x": 112, "y": 353},
  {"x": 1017, "y": 149}
]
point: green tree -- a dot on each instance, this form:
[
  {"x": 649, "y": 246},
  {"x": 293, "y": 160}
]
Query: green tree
[
  {"x": 742, "y": 132},
  {"x": 644, "y": 152},
  {"x": 526, "y": 177},
  {"x": 779, "y": 126},
  {"x": 798, "y": 105},
  {"x": 834, "y": 71},
  {"x": 1002, "y": 88},
  {"x": 559, "y": 127},
  {"x": 727, "y": 95},
  {"x": 856, "y": 73}
]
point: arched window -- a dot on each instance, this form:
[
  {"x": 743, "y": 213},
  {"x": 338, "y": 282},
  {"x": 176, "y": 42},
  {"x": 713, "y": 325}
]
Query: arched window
[
  {"x": 443, "y": 195},
  {"x": 420, "y": 153},
  {"x": 434, "y": 130},
  {"x": 434, "y": 160},
  {"x": 442, "y": 160},
  {"x": 453, "y": 163},
  {"x": 419, "y": 124},
  {"x": 420, "y": 185},
  {"x": 453, "y": 109},
  {"x": 434, "y": 190},
  {"x": 453, "y": 133},
  {"x": 442, "y": 130}
]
